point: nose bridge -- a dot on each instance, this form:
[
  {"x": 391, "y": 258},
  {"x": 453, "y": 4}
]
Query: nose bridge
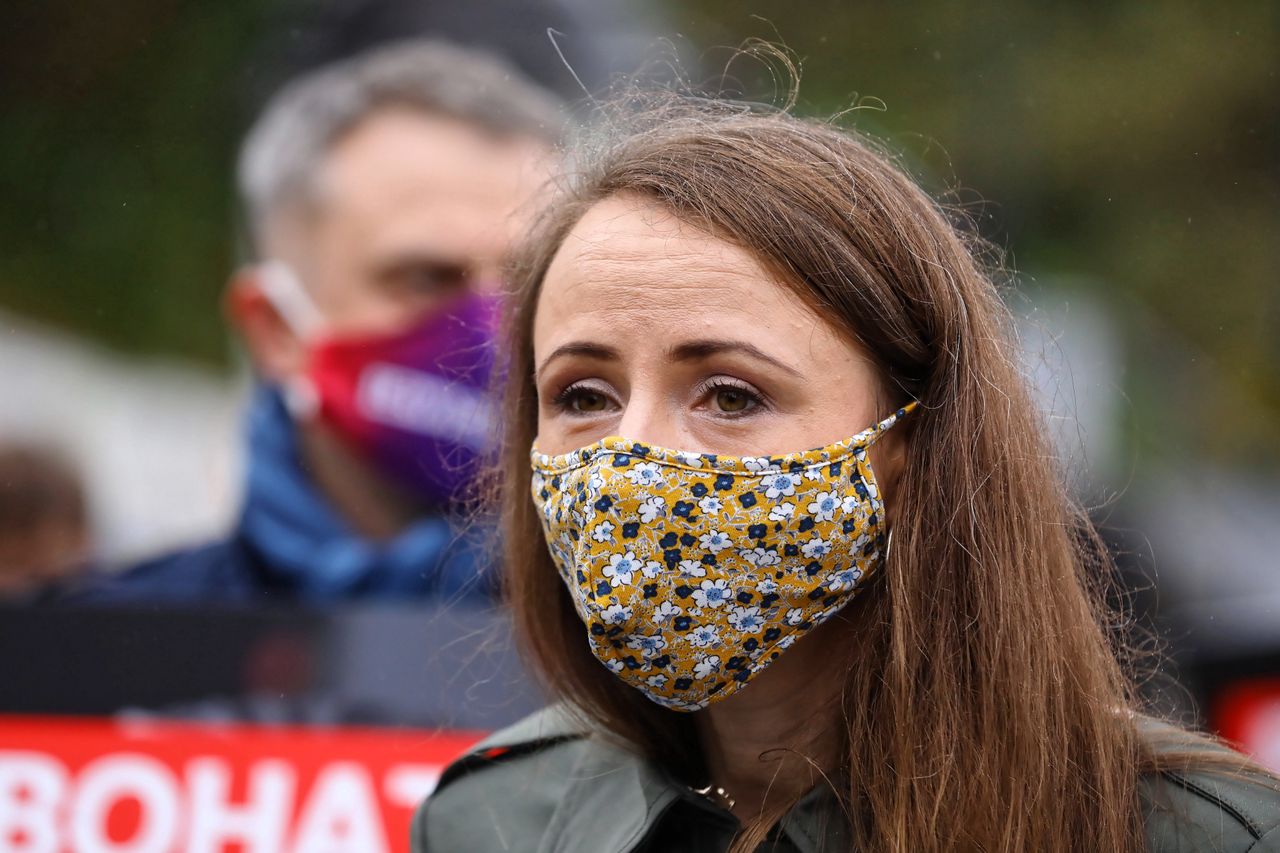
[{"x": 649, "y": 418}]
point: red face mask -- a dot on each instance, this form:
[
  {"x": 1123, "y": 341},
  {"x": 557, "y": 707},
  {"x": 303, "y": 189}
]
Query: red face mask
[{"x": 414, "y": 402}]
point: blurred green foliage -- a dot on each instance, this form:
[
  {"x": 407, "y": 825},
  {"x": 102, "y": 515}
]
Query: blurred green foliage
[
  {"x": 1130, "y": 145},
  {"x": 118, "y": 125}
]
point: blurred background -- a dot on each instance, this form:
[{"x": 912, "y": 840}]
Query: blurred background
[{"x": 1124, "y": 157}]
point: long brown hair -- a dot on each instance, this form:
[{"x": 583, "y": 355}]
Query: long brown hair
[{"x": 984, "y": 707}]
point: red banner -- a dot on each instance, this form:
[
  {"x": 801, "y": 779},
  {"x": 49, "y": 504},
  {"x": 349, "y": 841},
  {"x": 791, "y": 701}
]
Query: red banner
[{"x": 93, "y": 786}]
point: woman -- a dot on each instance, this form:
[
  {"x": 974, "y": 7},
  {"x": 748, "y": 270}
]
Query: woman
[{"x": 889, "y": 642}]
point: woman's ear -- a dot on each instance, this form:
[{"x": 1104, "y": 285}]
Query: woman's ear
[
  {"x": 888, "y": 459},
  {"x": 276, "y": 350}
]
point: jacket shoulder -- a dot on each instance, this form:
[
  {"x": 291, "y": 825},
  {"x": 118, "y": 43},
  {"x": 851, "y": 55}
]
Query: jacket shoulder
[
  {"x": 502, "y": 794},
  {"x": 1201, "y": 808},
  {"x": 1210, "y": 811},
  {"x": 218, "y": 571}
]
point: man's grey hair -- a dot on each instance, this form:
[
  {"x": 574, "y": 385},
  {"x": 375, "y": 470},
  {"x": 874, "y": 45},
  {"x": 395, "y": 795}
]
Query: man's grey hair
[{"x": 287, "y": 145}]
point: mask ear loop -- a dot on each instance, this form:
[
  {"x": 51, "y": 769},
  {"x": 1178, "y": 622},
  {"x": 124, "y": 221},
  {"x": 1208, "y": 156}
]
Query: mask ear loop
[
  {"x": 880, "y": 429},
  {"x": 888, "y": 422},
  {"x": 280, "y": 285}
]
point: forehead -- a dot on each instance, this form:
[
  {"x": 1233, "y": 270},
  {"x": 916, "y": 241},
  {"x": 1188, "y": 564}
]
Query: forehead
[
  {"x": 437, "y": 173},
  {"x": 629, "y": 268}
]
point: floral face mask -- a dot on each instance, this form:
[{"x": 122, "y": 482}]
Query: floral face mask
[{"x": 693, "y": 572}]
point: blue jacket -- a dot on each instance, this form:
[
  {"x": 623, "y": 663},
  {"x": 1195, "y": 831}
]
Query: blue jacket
[{"x": 290, "y": 544}]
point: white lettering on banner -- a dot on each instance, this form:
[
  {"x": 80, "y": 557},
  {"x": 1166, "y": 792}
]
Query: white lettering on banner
[
  {"x": 408, "y": 784},
  {"x": 258, "y": 825},
  {"x": 424, "y": 403},
  {"x": 341, "y": 815},
  {"x": 127, "y": 802},
  {"x": 32, "y": 786},
  {"x": 113, "y": 778}
]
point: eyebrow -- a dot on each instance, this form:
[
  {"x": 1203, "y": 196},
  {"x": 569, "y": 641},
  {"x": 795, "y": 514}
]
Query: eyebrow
[
  {"x": 407, "y": 259},
  {"x": 586, "y": 349},
  {"x": 688, "y": 351},
  {"x": 702, "y": 349}
]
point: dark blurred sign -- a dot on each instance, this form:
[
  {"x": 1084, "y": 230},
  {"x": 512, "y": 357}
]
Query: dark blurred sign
[
  {"x": 437, "y": 667},
  {"x": 153, "y": 787}
]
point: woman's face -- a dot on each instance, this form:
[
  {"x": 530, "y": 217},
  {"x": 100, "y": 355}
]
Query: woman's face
[{"x": 652, "y": 329}]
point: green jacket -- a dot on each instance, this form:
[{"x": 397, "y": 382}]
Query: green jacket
[{"x": 542, "y": 785}]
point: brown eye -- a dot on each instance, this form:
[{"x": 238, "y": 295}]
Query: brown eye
[
  {"x": 584, "y": 399},
  {"x": 425, "y": 277},
  {"x": 588, "y": 401},
  {"x": 732, "y": 400},
  {"x": 729, "y": 397}
]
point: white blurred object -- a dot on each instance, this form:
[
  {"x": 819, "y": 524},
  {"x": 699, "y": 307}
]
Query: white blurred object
[
  {"x": 1215, "y": 541},
  {"x": 157, "y": 443},
  {"x": 1071, "y": 354}
]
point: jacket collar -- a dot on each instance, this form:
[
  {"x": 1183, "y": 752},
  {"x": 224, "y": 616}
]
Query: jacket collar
[{"x": 615, "y": 798}]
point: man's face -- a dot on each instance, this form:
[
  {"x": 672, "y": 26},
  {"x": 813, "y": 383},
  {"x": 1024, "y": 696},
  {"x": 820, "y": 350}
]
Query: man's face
[{"x": 409, "y": 210}]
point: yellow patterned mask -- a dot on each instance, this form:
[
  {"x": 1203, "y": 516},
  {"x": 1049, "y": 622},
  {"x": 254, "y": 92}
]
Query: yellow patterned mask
[{"x": 693, "y": 571}]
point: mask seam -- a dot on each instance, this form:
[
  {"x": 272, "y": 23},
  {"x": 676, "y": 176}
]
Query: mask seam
[
  {"x": 875, "y": 433},
  {"x": 684, "y": 466}
]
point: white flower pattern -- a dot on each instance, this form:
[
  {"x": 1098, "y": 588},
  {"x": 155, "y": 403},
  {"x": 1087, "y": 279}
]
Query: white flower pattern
[
  {"x": 715, "y": 541},
  {"x": 644, "y": 474},
  {"x": 779, "y": 486},
  {"x": 652, "y": 508},
  {"x": 693, "y": 569},
  {"x": 620, "y": 568},
  {"x": 782, "y": 512},
  {"x": 603, "y": 532},
  {"x": 710, "y": 505},
  {"x": 706, "y": 665},
  {"x": 816, "y": 548},
  {"x": 824, "y": 506},
  {"x": 711, "y": 593}
]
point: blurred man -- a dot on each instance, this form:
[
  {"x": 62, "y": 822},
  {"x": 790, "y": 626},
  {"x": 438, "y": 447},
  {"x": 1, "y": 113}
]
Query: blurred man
[
  {"x": 382, "y": 195},
  {"x": 44, "y": 524}
]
